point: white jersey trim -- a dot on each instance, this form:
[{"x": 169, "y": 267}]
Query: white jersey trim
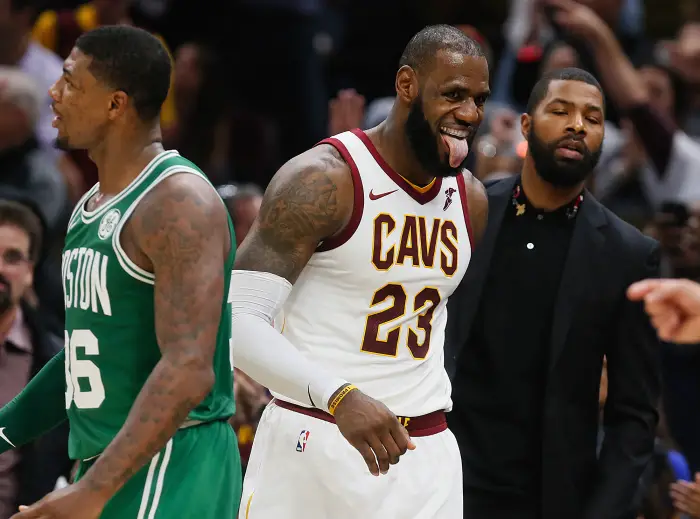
[
  {"x": 346, "y": 232},
  {"x": 90, "y": 216},
  {"x": 462, "y": 187},
  {"x": 75, "y": 215},
  {"x": 127, "y": 264}
]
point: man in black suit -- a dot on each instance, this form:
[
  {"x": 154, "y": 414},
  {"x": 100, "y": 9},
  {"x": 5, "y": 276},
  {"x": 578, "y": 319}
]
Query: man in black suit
[{"x": 542, "y": 304}]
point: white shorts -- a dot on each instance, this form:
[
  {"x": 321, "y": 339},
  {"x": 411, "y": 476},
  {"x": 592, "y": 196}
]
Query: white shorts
[{"x": 301, "y": 467}]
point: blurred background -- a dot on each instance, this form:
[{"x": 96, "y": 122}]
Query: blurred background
[{"x": 256, "y": 82}]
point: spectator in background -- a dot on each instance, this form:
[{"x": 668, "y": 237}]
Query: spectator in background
[
  {"x": 647, "y": 101},
  {"x": 18, "y": 50},
  {"x": 657, "y": 502},
  {"x": 536, "y": 31},
  {"x": 25, "y": 347},
  {"x": 683, "y": 58},
  {"x": 201, "y": 129},
  {"x": 677, "y": 227},
  {"x": 678, "y": 231},
  {"x": 500, "y": 147},
  {"x": 559, "y": 55},
  {"x": 24, "y": 166},
  {"x": 57, "y": 31},
  {"x": 346, "y": 112},
  {"x": 29, "y": 174},
  {"x": 295, "y": 108},
  {"x": 244, "y": 207}
]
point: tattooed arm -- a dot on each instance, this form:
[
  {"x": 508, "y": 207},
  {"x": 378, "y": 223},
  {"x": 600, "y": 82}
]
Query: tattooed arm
[
  {"x": 181, "y": 233},
  {"x": 310, "y": 199}
]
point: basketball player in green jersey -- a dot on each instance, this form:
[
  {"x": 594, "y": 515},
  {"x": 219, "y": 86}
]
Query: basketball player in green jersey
[{"x": 145, "y": 378}]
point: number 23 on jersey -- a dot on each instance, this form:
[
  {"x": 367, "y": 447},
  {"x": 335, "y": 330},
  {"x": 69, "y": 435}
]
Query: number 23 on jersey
[{"x": 424, "y": 304}]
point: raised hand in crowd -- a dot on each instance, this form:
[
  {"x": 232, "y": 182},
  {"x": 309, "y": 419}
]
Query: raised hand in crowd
[{"x": 345, "y": 112}]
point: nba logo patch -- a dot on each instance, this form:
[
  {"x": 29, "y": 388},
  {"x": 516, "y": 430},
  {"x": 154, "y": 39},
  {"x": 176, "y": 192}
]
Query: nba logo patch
[{"x": 301, "y": 442}]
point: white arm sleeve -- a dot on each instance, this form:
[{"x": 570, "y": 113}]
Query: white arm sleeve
[{"x": 264, "y": 354}]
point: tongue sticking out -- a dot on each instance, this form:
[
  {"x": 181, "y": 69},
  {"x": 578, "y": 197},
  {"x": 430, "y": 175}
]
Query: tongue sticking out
[{"x": 458, "y": 149}]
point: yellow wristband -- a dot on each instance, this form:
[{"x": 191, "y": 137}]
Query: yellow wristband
[{"x": 339, "y": 398}]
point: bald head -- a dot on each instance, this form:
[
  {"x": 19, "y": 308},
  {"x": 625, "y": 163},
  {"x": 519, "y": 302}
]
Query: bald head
[{"x": 420, "y": 52}]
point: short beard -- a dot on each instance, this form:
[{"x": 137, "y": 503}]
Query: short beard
[
  {"x": 558, "y": 172},
  {"x": 424, "y": 143}
]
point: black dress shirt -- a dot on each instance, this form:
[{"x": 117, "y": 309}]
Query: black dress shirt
[{"x": 510, "y": 338}]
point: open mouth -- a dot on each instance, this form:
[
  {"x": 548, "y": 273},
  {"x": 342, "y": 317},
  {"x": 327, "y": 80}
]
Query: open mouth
[
  {"x": 56, "y": 116},
  {"x": 455, "y": 141},
  {"x": 453, "y": 132}
]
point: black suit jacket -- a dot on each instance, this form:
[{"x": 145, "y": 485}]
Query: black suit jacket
[{"x": 592, "y": 318}]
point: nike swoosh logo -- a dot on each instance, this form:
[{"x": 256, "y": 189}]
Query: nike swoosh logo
[
  {"x": 2, "y": 435},
  {"x": 372, "y": 196}
]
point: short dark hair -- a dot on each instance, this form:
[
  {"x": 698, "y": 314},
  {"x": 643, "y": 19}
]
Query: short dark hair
[
  {"x": 19, "y": 215},
  {"x": 423, "y": 47},
  {"x": 132, "y": 60},
  {"x": 539, "y": 91}
]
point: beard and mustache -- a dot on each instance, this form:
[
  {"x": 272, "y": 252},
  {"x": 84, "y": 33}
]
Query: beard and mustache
[
  {"x": 553, "y": 170},
  {"x": 424, "y": 143},
  {"x": 556, "y": 171}
]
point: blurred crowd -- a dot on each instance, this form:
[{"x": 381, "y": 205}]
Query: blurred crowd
[{"x": 257, "y": 81}]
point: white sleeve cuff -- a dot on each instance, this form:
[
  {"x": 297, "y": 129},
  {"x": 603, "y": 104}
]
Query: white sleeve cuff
[{"x": 263, "y": 353}]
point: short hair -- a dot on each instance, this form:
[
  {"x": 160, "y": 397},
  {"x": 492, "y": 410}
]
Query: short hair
[
  {"x": 539, "y": 91},
  {"x": 21, "y": 216},
  {"x": 131, "y": 60},
  {"x": 423, "y": 47}
]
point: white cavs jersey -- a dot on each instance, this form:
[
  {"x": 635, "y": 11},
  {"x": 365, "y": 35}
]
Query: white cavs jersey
[{"x": 370, "y": 306}]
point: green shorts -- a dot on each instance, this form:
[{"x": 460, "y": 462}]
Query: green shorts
[{"x": 197, "y": 475}]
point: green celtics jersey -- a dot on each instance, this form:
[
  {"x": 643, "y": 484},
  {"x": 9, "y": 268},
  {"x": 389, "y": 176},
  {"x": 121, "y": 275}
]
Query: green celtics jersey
[{"x": 110, "y": 336}]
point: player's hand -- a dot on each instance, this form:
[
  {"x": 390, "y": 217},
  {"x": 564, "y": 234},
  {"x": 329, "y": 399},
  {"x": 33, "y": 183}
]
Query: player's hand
[
  {"x": 72, "y": 502},
  {"x": 373, "y": 430},
  {"x": 673, "y": 306}
]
